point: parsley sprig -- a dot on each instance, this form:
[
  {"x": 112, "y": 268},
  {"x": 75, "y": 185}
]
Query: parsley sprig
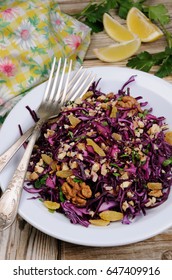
[
  {"x": 145, "y": 61},
  {"x": 92, "y": 15}
]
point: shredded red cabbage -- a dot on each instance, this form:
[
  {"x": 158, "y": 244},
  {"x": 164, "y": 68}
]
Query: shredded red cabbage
[{"x": 111, "y": 152}]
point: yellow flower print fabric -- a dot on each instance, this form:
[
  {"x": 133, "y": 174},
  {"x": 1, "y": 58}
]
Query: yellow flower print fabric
[{"x": 31, "y": 34}]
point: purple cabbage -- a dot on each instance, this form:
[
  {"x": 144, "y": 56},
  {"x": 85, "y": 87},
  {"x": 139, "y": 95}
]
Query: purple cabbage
[{"x": 141, "y": 157}]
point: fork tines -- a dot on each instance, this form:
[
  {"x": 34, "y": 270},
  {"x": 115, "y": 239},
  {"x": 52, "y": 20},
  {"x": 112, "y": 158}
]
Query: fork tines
[{"x": 63, "y": 87}]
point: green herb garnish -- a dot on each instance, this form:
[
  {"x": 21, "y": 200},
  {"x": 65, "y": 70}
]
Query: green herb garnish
[
  {"x": 115, "y": 165},
  {"x": 39, "y": 182},
  {"x": 145, "y": 61},
  {"x": 77, "y": 180},
  {"x": 104, "y": 123},
  {"x": 142, "y": 115},
  {"x": 116, "y": 174},
  {"x": 124, "y": 155},
  {"x": 92, "y": 15},
  {"x": 61, "y": 196},
  {"x": 106, "y": 100},
  {"x": 167, "y": 162},
  {"x": 135, "y": 156},
  {"x": 70, "y": 133}
]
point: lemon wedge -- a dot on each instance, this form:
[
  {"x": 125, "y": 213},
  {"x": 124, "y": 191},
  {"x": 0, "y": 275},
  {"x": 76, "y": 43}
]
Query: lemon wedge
[
  {"x": 118, "y": 52},
  {"x": 115, "y": 30},
  {"x": 140, "y": 25}
]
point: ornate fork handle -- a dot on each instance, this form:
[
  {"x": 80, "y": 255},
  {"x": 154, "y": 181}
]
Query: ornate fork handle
[
  {"x": 8, "y": 154},
  {"x": 10, "y": 199}
]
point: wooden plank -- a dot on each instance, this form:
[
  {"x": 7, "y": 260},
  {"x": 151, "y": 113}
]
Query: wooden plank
[
  {"x": 22, "y": 241},
  {"x": 156, "y": 248}
]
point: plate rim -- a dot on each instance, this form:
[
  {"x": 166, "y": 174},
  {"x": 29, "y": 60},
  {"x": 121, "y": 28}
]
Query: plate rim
[{"x": 90, "y": 242}]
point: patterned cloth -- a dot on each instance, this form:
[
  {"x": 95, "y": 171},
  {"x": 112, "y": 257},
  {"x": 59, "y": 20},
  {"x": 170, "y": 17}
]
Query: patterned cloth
[{"x": 31, "y": 34}]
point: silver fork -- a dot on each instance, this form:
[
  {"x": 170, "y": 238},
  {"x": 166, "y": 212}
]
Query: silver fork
[
  {"x": 6, "y": 156},
  {"x": 55, "y": 96}
]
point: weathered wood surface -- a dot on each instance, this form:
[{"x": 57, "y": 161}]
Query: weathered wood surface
[{"x": 24, "y": 242}]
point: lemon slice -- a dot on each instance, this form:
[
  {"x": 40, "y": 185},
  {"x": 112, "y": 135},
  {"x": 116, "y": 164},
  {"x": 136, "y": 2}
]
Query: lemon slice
[
  {"x": 118, "y": 52},
  {"x": 140, "y": 25},
  {"x": 115, "y": 30}
]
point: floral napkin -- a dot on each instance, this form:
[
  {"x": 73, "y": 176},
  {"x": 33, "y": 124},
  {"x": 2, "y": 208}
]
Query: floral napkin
[{"x": 31, "y": 34}]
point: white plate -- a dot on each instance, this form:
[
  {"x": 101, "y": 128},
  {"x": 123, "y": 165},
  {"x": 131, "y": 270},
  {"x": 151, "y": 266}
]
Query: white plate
[{"x": 159, "y": 95}]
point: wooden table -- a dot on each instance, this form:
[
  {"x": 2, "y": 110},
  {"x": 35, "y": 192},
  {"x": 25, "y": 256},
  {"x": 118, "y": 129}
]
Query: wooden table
[{"x": 24, "y": 242}]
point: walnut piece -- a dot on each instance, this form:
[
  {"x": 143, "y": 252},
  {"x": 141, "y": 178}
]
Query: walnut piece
[
  {"x": 129, "y": 102},
  {"x": 77, "y": 193},
  {"x": 154, "y": 129}
]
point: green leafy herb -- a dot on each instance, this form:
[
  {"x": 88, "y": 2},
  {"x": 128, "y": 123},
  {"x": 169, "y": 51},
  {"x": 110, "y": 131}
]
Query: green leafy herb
[
  {"x": 145, "y": 61},
  {"x": 124, "y": 155},
  {"x": 80, "y": 137},
  {"x": 92, "y": 14},
  {"x": 120, "y": 98},
  {"x": 167, "y": 162},
  {"x": 158, "y": 13},
  {"x": 135, "y": 157},
  {"x": 61, "y": 196},
  {"x": 142, "y": 115},
  {"x": 106, "y": 99},
  {"x": 85, "y": 112},
  {"x": 123, "y": 7},
  {"x": 104, "y": 123},
  {"x": 115, "y": 165},
  {"x": 77, "y": 180},
  {"x": 116, "y": 174},
  {"x": 38, "y": 183},
  {"x": 146, "y": 151},
  {"x": 70, "y": 133}
]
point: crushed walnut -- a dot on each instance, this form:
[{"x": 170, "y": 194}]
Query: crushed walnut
[
  {"x": 77, "y": 193},
  {"x": 129, "y": 102}
]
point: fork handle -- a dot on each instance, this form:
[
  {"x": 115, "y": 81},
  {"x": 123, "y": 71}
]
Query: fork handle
[
  {"x": 10, "y": 199},
  {"x": 8, "y": 154}
]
